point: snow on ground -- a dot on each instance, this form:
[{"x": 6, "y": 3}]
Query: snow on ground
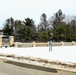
[{"x": 59, "y": 53}]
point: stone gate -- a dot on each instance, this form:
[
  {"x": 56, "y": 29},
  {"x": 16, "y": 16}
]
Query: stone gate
[{"x": 6, "y": 41}]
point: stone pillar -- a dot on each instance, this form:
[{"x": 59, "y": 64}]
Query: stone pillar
[
  {"x": 11, "y": 40},
  {"x": 34, "y": 44},
  {"x": 48, "y": 43},
  {"x": 73, "y": 42},
  {"x": 16, "y": 44},
  {"x": 0, "y": 41},
  {"x": 62, "y": 43}
]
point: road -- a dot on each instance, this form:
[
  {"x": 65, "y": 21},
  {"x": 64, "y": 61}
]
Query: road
[{"x": 16, "y": 68}]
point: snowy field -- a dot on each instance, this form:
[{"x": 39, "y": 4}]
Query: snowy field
[{"x": 59, "y": 53}]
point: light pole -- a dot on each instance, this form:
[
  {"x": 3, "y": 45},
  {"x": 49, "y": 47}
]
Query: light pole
[{"x": 50, "y": 43}]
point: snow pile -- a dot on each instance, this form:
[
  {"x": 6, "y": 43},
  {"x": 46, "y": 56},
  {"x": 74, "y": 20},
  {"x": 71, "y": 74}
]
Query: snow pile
[{"x": 60, "y": 53}]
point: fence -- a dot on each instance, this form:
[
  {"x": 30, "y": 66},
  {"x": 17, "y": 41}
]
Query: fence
[
  {"x": 10, "y": 42},
  {"x": 34, "y": 44}
]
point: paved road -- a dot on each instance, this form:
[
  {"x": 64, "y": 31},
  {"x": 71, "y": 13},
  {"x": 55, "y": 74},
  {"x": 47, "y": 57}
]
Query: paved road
[{"x": 15, "y": 68}]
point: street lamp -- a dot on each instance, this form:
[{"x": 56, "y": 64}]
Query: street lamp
[{"x": 50, "y": 43}]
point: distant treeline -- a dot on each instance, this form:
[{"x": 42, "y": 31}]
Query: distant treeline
[{"x": 58, "y": 28}]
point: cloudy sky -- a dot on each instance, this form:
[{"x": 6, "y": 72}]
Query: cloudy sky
[{"x": 20, "y": 9}]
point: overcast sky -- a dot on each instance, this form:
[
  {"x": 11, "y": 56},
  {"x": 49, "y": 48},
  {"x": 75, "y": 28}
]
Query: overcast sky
[{"x": 20, "y": 9}]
